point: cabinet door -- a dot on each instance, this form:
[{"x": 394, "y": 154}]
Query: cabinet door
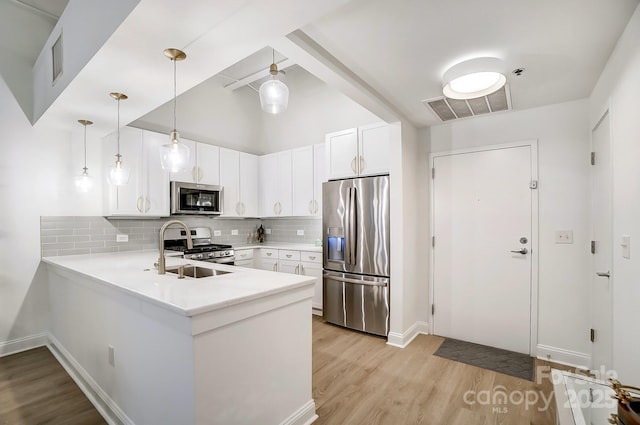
[
  {"x": 207, "y": 169},
  {"x": 126, "y": 199},
  {"x": 189, "y": 172},
  {"x": 342, "y": 153},
  {"x": 284, "y": 184},
  {"x": 248, "y": 196},
  {"x": 286, "y": 266},
  {"x": 315, "y": 270},
  {"x": 268, "y": 185},
  {"x": 302, "y": 169},
  {"x": 155, "y": 179},
  {"x": 373, "y": 143},
  {"x": 269, "y": 264},
  {"x": 229, "y": 174},
  {"x": 319, "y": 177}
]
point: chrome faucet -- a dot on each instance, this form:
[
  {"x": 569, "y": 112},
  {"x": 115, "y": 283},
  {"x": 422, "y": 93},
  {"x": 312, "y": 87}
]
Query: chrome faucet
[{"x": 161, "y": 259}]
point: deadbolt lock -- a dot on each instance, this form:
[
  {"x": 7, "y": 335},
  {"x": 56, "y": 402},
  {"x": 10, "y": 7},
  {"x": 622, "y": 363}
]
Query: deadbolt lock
[{"x": 523, "y": 240}]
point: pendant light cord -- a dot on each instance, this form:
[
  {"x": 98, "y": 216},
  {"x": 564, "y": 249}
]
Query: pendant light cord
[
  {"x": 174, "y": 94},
  {"x": 85, "y": 147},
  {"x": 118, "y": 156}
]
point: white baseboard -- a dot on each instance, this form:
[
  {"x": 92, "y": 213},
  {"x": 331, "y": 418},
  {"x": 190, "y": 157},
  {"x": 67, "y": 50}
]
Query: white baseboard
[
  {"x": 23, "y": 344},
  {"x": 317, "y": 311},
  {"x": 108, "y": 408},
  {"x": 306, "y": 415},
  {"x": 402, "y": 340},
  {"x": 562, "y": 356}
]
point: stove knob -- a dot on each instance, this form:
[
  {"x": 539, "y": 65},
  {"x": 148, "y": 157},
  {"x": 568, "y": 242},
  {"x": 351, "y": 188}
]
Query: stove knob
[
  {"x": 227, "y": 253},
  {"x": 212, "y": 254},
  {"x": 198, "y": 256}
]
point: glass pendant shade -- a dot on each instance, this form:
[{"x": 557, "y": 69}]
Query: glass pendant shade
[
  {"x": 84, "y": 182},
  {"x": 174, "y": 156},
  {"x": 274, "y": 96},
  {"x": 118, "y": 174}
]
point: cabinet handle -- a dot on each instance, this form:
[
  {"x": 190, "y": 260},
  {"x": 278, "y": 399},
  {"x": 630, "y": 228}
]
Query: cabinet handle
[
  {"x": 310, "y": 207},
  {"x": 147, "y": 205},
  {"x": 275, "y": 208},
  {"x": 297, "y": 269},
  {"x": 363, "y": 164},
  {"x": 243, "y": 209},
  {"x": 288, "y": 255},
  {"x": 268, "y": 254},
  {"x": 275, "y": 267},
  {"x": 315, "y": 207},
  {"x": 353, "y": 165},
  {"x": 139, "y": 204},
  {"x": 194, "y": 173},
  {"x": 301, "y": 270},
  {"x": 200, "y": 173},
  {"x": 312, "y": 257}
]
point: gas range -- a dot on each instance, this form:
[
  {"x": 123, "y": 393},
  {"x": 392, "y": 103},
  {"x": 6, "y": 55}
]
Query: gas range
[{"x": 175, "y": 239}]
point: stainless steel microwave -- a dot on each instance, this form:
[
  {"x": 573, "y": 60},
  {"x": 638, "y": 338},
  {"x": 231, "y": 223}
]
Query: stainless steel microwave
[{"x": 193, "y": 198}]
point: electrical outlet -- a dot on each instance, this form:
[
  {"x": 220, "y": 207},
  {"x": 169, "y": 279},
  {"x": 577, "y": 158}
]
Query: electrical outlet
[
  {"x": 217, "y": 233},
  {"x": 112, "y": 355},
  {"x": 300, "y": 232},
  {"x": 564, "y": 236},
  {"x": 122, "y": 238},
  {"x": 267, "y": 231},
  {"x": 234, "y": 232}
]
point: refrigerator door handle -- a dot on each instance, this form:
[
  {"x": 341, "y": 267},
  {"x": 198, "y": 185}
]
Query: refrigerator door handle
[
  {"x": 352, "y": 226},
  {"x": 381, "y": 282}
]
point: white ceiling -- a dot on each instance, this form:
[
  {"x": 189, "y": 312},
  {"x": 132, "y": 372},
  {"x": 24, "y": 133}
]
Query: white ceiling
[{"x": 386, "y": 55}]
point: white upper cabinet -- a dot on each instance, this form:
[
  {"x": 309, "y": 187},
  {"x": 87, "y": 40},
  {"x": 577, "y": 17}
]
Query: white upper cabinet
[
  {"x": 203, "y": 166},
  {"x": 275, "y": 184},
  {"x": 239, "y": 180},
  {"x": 342, "y": 154},
  {"x": 308, "y": 169},
  {"x": 358, "y": 152},
  {"x": 147, "y": 192}
]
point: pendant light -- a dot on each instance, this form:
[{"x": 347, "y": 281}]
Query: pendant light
[
  {"x": 84, "y": 182},
  {"x": 118, "y": 175},
  {"x": 174, "y": 156},
  {"x": 274, "y": 94}
]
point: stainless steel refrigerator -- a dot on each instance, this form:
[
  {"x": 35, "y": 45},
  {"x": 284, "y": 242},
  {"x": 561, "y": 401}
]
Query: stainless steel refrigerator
[{"x": 356, "y": 257}]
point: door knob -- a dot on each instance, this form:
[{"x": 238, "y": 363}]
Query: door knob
[
  {"x": 603, "y": 274},
  {"x": 522, "y": 251}
]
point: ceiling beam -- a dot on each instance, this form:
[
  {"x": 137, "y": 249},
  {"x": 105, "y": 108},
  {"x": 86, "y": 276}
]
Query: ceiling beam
[
  {"x": 311, "y": 56},
  {"x": 257, "y": 75}
]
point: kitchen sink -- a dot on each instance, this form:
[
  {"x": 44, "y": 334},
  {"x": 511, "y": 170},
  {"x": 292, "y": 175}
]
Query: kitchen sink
[{"x": 196, "y": 271}]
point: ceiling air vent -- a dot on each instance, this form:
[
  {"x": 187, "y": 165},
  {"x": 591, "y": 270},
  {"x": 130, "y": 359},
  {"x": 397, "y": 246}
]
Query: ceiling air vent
[{"x": 448, "y": 109}]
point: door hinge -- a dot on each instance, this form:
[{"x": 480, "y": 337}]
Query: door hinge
[
  {"x": 433, "y": 241},
  {"x": 533, "y": 184},
  {"x": 593, "y": 158},
  {"x": 593, "y": 247},
  {"x": 433, "y": 309},
  {"x": 433, "y": 173},
  {"x": 592, "y": 335}
]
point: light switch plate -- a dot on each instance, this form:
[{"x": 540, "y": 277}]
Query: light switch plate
[
  {"x": 625, "y": 243},
  {"x": 300, "y": 232},
  {"x": 217, "y": 233},
  {"x": 564, "y": 236},
  {"x": 122, "y": 238},
  {"x": 234, "y": 232},
  {"x": 267, "y": 231}
]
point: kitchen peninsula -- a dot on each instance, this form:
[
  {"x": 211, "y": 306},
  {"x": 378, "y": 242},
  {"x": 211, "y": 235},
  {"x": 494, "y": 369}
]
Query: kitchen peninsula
[{"x": 148, "y": 348}]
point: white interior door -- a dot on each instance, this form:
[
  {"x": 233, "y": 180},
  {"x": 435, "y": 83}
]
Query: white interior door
[
  {"x": 601, "y": 285},
  {"x": 482, "y": 213}
]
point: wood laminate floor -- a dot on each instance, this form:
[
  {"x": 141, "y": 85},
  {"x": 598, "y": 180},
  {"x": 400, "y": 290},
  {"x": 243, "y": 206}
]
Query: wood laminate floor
[
  {"x": 36, "y": 390},
  {"x": 357, "y": 380}
]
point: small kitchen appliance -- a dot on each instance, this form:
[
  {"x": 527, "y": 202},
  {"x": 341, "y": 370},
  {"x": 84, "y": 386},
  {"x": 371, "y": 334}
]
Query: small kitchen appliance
[{"x": 175, "y": 239}]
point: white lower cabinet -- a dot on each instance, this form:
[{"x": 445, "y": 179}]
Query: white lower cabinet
[
  {"x": 244, "y": 258},
  {"x": 311, "y": 265},
  {"x": 268, "y": 259}
]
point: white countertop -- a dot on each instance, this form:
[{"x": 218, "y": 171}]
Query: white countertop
[
  {"x": 133, "y": 273},
  {"x": 280, "y": 245}
]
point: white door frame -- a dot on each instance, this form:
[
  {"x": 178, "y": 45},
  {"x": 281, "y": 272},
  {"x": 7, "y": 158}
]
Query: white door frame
[{"x": 533, "y": 144}]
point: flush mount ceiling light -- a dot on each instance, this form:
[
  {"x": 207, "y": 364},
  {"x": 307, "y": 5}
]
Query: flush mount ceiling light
[
  {"x": 473, "y": 78},
  {"x": 118, "y": 175},
  {"x": 84, "y": 182},
  {"x": 274, "y": 94},
  {"x": 174, "y": 156}
]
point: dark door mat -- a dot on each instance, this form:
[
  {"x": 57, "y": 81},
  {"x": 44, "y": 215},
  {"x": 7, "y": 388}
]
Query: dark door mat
[{"x": 502, "y": 361}]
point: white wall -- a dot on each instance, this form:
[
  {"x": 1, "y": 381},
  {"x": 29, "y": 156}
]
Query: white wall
[
  {"x": 619, "y": 90},
  {"x": 36, "y": 171},
  {"x": 563, "y": 138}
]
